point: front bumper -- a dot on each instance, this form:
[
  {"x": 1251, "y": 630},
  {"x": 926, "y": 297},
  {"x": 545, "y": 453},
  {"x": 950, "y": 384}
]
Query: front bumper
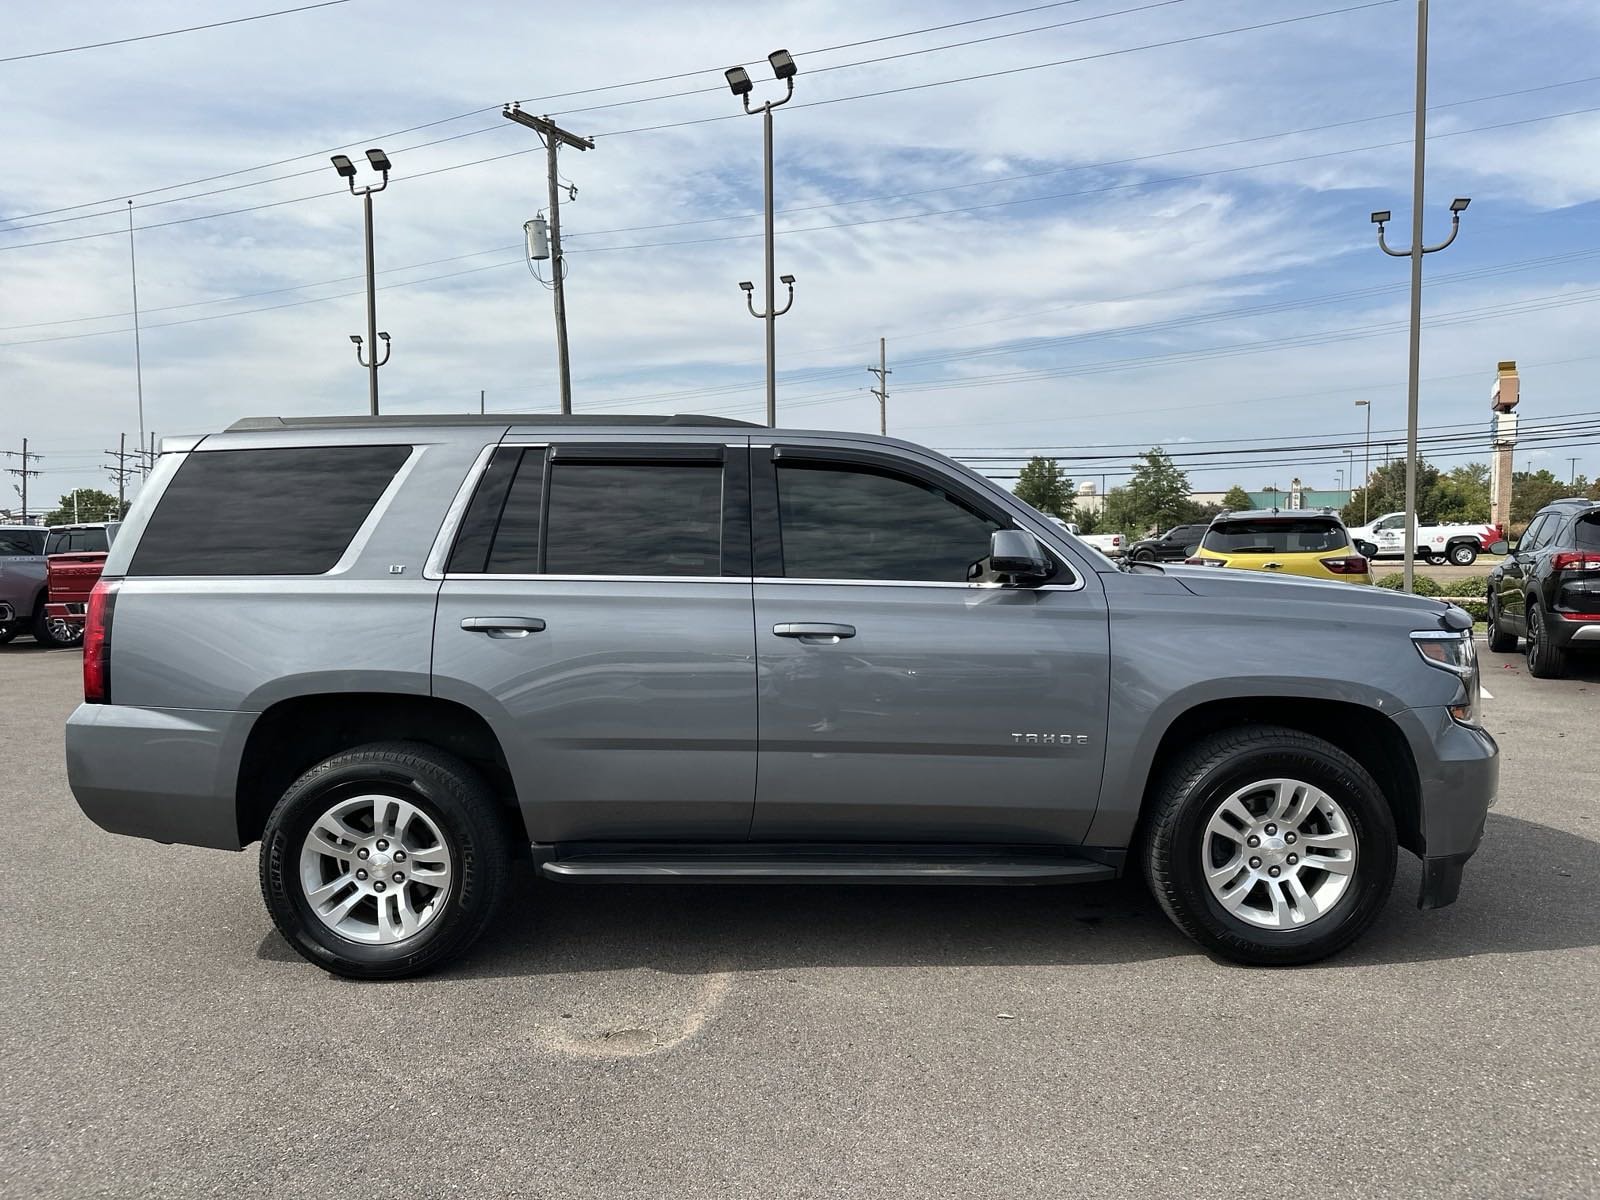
[
  {"x": 1458, "y": 772},
  {"x": 170, "y": 775}
]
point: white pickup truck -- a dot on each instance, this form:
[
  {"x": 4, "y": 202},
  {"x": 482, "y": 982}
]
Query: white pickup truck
[
  {"x": 1109, "y": 544},
  {"x": 1459, "y": 544}
]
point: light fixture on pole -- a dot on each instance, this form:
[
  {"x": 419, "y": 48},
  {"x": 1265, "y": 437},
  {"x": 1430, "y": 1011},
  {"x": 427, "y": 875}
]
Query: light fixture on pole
[
  {"x": 347, "y": 171},
  {"x": 1366, "y": 463},
  {"x": 739, "y": 83},
  {"x": 1415, "y": 253}
]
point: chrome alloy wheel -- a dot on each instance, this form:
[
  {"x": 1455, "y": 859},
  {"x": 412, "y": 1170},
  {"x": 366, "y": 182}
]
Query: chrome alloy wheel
[
  {"x": 375, "y": 869},
  {"x": 1278, "y": 854}
]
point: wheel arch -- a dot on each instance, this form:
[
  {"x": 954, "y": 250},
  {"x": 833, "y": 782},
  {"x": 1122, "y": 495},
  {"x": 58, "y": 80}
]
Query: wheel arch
[
  {"x": 1366, "y": 735},
  {"x": 294, "y": 734}
]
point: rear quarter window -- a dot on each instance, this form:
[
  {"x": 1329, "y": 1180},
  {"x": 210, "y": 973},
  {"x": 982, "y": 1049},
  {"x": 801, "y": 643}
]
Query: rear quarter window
[
  {"x": 21, "y": 543},
  {"x": 1278, "y": 536},
  {"x": 1586, "y": 531},
  {"x": 289, "y": 511}
]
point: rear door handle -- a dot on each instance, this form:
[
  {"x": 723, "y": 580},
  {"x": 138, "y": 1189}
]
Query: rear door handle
[
  {"x": 503, "y": 627},
  {"x": 823, "y": 631}
]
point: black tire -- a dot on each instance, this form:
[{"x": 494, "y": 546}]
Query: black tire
[
  {"x": 1545, "y": 659},
  {"x": 46, "y": 636},
  {"x": 1500, "y": 641},
  {"x": 1463, "y": 554},
  {"x": 477, "y": 835},
  {"x": 1195, "y": 785},
  {"x": 1144, "y": 556}
]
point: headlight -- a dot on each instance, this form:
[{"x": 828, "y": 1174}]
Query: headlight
[{"x": 1453, "y": 651}]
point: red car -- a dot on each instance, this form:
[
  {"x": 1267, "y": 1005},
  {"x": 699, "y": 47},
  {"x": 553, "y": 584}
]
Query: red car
[{"x": 74, "y": 558}]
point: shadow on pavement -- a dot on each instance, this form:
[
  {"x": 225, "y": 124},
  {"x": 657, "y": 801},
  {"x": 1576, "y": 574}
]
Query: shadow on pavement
[{"x": 1530, "y": 888}]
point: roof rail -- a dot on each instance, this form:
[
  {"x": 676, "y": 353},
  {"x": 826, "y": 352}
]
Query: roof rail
[{"x": 432, "y": 420}]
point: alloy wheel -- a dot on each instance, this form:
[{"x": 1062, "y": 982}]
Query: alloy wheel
[
  {"x": 375, "y": 869},
  {"x": 1278, "y": 853}
]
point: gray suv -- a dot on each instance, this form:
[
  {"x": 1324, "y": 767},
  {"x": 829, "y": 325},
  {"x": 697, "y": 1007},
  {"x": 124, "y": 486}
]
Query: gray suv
[{"x": 402, "y": 652}]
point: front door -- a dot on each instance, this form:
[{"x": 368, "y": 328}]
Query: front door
[
  {"x": 596, "y": 610},
  {"x": 904, "y": 694}
]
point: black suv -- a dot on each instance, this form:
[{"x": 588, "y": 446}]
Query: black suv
[
  {"x": 1175, "y": 545},
  {"x": 1548, "y": 589}
]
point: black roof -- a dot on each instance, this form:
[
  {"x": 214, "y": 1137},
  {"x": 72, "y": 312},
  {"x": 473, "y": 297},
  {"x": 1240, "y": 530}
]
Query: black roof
[
  {"x": 1572, "y": 502},
  {"x": 410, "y": 421}
]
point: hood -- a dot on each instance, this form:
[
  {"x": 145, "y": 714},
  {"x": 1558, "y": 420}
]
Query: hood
[{"x": 1243, "y": 585}]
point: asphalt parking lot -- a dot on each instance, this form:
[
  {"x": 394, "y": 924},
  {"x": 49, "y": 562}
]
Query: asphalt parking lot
[{"x": 159, "y": 1039}]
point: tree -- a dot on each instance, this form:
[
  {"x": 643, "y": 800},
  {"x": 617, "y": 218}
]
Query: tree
[
  {"x": 1531, "y": 491},
  {"x": 91, "y": 505},
  {"x": 1042, "y": 485},
  {"x": 1461, "y": 495},
  {"x": 1158, "y": 493},
  {"x": 1120, "y": 514},
  {"x": 1237, "y": 500}
]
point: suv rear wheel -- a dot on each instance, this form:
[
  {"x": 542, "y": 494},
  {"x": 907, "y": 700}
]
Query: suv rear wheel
[
  {"x": 1545, "y": 659},
  {"x": 385, "y": 861},
  {"x": 1270, "y": 846}
]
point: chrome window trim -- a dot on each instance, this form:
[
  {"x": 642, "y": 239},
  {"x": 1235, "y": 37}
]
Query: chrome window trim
[
  {"x": 928, "y": 583},
  {"x": 481, "y": 577}
]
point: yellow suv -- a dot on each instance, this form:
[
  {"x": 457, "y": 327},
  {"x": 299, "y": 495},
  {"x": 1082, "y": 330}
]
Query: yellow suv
[{"x": 1311, "y": 544}]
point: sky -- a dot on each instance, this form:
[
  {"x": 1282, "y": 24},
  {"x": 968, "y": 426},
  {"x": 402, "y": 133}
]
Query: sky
[{"x": 1141, "y": 224}]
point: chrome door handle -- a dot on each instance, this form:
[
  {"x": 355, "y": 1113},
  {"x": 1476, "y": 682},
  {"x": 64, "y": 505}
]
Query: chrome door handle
[
  {"x": 823, "y": 631},
  {"x": 503, "y": 627}
]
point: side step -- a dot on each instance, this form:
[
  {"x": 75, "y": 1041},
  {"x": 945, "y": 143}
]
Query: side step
[{"x": 812, "y": 863}]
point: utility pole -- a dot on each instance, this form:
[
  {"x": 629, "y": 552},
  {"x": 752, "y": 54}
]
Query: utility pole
[
  {"x": 481, "y": 409},
  {"x": 553, "y": 137},
  {"x": 138, "y": 361},
  {"x": 882, "y": 390},
  {"x": 122, "y": 471},
  {"x": 1415, "y": 253},
  {"x": 25, "y": 471},
  {"x": 1572, "y": 472}
]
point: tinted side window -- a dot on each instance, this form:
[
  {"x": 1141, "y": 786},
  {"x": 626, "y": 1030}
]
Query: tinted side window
[
  {"x": 1586, "y": 532},
  {"x": 21, "y": 542},
  {"x": 633, "y": 518},
  {"x": 289, "y": 511},
  {"x": 848, "y": 522},
  {"x": 1532, "y": 536}
]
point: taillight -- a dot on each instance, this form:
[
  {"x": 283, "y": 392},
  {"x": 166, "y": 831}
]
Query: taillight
[
  {"x": 1198, "y": 561},
  {"x": 1116, "y": 539},
  {"x": 1350, "y": 564},
  {"x": 97, "y": 643},
  {"x": 1575, "y": 560}
]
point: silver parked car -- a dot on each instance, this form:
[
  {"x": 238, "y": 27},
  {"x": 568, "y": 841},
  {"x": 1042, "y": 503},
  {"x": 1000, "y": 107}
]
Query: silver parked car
[{"x": 399, "y": 652}]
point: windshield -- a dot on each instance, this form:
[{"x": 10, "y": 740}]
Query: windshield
[
  {"x": 1276, "y": 536},
  {"x": 14, "y": 542}
]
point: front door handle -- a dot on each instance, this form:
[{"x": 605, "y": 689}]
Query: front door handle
[
  {"x": 503, "y": 627},
  {"x": 824, "y": 632}
]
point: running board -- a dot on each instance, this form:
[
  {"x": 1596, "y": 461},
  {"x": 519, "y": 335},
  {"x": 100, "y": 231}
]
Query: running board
[{"x": 798, "y": 863}]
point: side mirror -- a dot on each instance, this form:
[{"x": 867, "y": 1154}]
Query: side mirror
[
  {"x": 1500, "y": 547},
  {"x": 1366, "y": 549},
  {"x": 1017, "y": 553}
]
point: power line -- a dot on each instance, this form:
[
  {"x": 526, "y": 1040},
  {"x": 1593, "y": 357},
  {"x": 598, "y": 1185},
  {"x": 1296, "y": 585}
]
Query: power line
[
  {"x": 530, "y": 102},
  {"x": 811, "y": 104},
  {"x": 145, "y": 37}
]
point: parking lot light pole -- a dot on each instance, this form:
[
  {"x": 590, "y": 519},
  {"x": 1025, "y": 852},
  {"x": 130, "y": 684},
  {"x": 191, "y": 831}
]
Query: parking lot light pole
[
  {"x": 739, "y": 83},
  {"x": 1366, "y": 463},
  {"x": 1415, "y": 253},
  {"x": 347, "y": 172}
]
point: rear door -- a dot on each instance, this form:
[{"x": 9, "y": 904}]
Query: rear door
[
  {"x": 596, "y": 610},
  {"x": 1517, "y": 570},
  {"x": 904, "y": 694}
]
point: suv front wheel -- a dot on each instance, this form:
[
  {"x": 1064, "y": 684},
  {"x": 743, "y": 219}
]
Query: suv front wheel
[
  {"x": 1270, "y": 846},
  {"x": 385, "y": 861}
]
